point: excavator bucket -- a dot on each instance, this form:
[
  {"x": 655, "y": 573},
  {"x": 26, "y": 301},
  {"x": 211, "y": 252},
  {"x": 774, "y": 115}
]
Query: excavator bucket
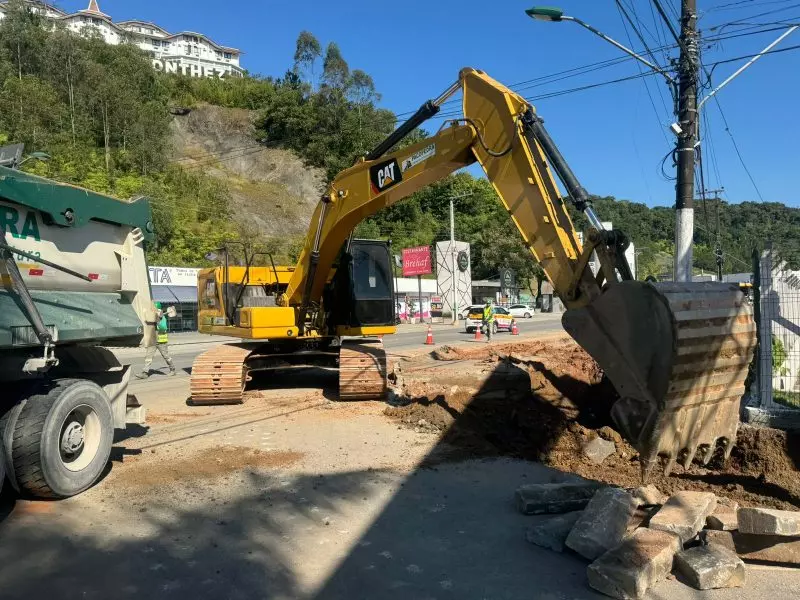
[{"x": 678, "y": 355}]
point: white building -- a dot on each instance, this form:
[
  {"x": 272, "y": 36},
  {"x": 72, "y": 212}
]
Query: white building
[{"x": 188, "y": 52}]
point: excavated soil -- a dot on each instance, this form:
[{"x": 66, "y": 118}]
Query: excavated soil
[
  {"x": 544, "y": 400},
  {"x": 207, "y": 464}
]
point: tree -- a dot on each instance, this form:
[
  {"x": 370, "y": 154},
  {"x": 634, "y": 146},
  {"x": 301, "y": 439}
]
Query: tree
[
  {"x": 33, "y": 111},
  {"x": 335, "y": 71},
  {"x": 22, "y": 34},
  {"x": 306, "y": 54}
]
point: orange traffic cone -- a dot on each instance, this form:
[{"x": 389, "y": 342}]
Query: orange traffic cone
[
  {"x": 429, "y": 337},
  {"x": 477, "y": 334},
  {"x": 514, "y": 330}
]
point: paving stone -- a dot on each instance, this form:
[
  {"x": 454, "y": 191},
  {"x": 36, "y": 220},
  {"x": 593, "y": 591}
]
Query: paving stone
[
  {"x": 598, "y": 449},
  {"x": 640, "y": 518},
  {"x": 774, "y": 549},
  {"x": 724, "y": 516},
  {"x": 603, "y": 523},
  {"x": 638, "y": 563},
  {"x": 648, "y": 495},
  {"x": 722, "y": 538},
  {"x": 684, "y": 513},
  {"x": 768, "y": 521},
  {"x": 553, "y": 498},
  {"x": 552, "y": 532},
  {"x": 710, "y": 567}
]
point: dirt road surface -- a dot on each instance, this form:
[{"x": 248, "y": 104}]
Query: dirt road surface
[{"x": 295, "y": 495}]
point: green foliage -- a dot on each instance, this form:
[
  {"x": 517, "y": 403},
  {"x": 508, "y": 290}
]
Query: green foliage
[
  {"x": 101, "y": 113},
  {"x": 779, "y": 356},
  {"x": 790, "y": 399}
]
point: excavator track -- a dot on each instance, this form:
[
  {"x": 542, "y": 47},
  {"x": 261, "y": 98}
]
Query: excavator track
[
  {"x": 219, "y": 375},
  {"x": 362, "y": 370}
]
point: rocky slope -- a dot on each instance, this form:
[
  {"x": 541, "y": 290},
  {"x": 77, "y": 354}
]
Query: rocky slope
[{"x": 273, "y": 193}]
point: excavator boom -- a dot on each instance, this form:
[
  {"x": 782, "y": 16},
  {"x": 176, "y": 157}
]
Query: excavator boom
[{"x": 678, "y": 354}]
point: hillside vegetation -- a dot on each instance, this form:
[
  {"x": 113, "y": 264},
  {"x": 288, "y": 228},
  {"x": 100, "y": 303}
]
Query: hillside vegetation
[{"x": 252, "y": 155}]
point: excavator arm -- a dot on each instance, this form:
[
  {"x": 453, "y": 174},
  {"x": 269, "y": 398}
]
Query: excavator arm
[{"x": 501, "y": 131}]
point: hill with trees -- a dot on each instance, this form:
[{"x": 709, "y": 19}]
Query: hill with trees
[{"x": 113, "y": 124}]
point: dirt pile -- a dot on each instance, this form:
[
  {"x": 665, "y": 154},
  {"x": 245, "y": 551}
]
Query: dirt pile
[{"x": 544, "y": 400}]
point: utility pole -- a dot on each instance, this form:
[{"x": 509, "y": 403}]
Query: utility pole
[{"x": 687, "y": 139}]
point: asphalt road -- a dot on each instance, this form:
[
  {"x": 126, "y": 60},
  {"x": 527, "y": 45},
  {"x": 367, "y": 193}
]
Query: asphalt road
[{"x": 408, "y": 338}]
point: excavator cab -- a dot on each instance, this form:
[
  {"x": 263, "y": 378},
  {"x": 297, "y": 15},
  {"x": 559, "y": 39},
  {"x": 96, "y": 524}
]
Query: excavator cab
[{"x": 361, "y": 294}]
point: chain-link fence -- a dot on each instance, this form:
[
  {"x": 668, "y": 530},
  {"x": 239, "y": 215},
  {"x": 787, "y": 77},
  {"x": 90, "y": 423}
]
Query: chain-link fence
[{"x": 776, "y": 295}]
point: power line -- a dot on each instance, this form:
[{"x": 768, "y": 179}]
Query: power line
[
  {"x": 775, "y": 51},
  {"x": 667, "y": 20},
  {"x": 737, "y": 5},
  {"x": 763, "y": 14},
  {"x": 622, "y": 12}
]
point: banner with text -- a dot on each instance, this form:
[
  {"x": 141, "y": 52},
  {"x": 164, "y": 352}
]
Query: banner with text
[{"x": 417, "y": 261}]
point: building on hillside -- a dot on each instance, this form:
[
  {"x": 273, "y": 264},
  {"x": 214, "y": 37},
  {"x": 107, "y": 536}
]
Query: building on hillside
[{"x": 188, "y": 52}]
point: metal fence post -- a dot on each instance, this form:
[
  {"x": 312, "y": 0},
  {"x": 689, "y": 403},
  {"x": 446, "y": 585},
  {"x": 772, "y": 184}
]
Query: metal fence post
[{"x": 767, "y": 301}]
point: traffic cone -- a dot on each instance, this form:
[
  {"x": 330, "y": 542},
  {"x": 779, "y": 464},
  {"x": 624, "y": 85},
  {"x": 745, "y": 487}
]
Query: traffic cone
[
  {"x": 477, "y": 334},
  {"x": 429, "y": 337},
  {"x": 514, "y": 330}
]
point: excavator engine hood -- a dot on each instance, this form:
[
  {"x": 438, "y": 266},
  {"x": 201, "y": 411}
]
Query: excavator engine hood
[{"x": 678, "y": 355}]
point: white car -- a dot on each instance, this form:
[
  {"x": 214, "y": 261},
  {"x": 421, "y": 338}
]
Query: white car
[{"x": 524, "y": 311}]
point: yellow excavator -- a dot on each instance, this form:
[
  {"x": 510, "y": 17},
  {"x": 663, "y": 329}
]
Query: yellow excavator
[{"x": 677, "y": 353}]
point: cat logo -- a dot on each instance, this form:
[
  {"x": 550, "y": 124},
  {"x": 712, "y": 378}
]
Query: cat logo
[{"x": 384, "y": 176}]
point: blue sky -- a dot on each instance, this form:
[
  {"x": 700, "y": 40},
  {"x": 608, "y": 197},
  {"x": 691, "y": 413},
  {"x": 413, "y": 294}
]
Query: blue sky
[{"x": 612, "y": 136}]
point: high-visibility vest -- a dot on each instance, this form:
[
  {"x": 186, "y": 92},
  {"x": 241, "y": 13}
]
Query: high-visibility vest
[
  {"x": 161, "y": 328},
  {"x": 488, "y": 314}
]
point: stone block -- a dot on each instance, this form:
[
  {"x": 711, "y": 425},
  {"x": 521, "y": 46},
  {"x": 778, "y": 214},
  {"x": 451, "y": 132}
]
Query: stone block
[
  {"x": 554, "y": 498},
  {"x": 552, "y": 532},
  {"x": 598, "y": 449},
  {"x": 724, "y": 516},
  {"x": 684, "y": 513},
  {"x": 768, "y": 521},
  {"x": 719, "y": 537},
  {"x": 603, "y": 523},
  {"x": 710, "y": 567},
  {"x": 648, "y": 495},
  {"x": 638, "y": 563},
  {"x": 640, "y": 518},
  {"x": 773, "y": 549}
]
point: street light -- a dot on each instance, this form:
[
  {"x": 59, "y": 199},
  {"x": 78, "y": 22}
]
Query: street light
[{"x": 555, "y": 15}]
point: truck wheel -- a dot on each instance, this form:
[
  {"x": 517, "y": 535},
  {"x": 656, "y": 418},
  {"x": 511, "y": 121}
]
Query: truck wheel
[{"x": 59, "y": 438}]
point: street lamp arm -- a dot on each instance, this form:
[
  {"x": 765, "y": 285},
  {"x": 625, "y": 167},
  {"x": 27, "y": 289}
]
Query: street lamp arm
[
  {"x": 622, "y": 47},
  {"x": 746, "y": 65}
]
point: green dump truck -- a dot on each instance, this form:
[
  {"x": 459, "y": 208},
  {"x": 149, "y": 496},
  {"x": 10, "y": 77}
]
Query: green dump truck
[{"x": 74, "y": 283}]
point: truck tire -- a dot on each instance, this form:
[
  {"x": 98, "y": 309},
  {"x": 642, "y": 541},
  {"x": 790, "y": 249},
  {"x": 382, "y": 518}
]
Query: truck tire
[{"x": 58, "y": 439}]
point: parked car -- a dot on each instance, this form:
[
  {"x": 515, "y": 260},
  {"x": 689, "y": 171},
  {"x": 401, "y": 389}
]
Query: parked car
[
  {"x": 502, "y": 320},
  {"x": 521, "y": 310},
  {"x": 465, "y": 312}
]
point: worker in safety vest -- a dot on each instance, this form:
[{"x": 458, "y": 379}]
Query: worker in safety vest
[
  {"x": 488, "y": 320},
  {"x": 161, "y": 344}
]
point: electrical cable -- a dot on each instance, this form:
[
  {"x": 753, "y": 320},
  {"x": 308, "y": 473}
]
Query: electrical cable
[
  {"x": 666, "y": 19},
  {"x": 763, "y": 14},
  {"x": 622, "y": 12}
]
